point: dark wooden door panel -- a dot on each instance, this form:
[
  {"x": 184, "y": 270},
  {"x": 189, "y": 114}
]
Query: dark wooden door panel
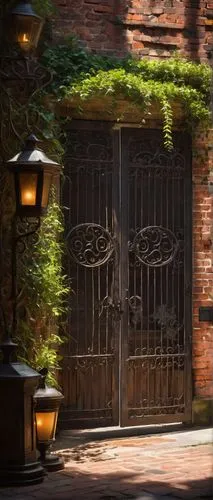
[
  {"x": 90, "y": 358},
  {"x": 156, "y": 324}
]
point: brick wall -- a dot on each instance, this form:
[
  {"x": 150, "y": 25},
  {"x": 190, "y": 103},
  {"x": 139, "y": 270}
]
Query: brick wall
[
  {"x": 155, "y": 28},
  {"x": 202, "y": 336}
]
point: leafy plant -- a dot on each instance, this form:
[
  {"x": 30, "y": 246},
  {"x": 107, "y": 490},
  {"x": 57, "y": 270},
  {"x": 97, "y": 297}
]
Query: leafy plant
[
  {"x": 143, "y": 93},
  {"x": 82, "y": 74},
  {"x": 44, "y": 8},
  {"x": 45, "y": 291}
]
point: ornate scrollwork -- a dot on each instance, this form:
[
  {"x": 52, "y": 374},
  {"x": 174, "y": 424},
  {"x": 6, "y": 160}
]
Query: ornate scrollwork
[
  {"x": 151, "y": 153},
  {"x": 90, "y": 245},
  {"x": 156, "y": 362},
  {"x": 86, "y": 362},
  {"x": 20, "y": 80},
  {"x": 89, "y": 146},
  {"x": 155, "y": 246},
  {"x": 23, "y": 76},
  {"x": 159, "y": 406},
  {"x": 160, "y": 351}
]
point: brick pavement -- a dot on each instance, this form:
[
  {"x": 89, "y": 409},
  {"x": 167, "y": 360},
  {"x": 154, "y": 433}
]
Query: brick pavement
[{"x": 142, "y": 468}]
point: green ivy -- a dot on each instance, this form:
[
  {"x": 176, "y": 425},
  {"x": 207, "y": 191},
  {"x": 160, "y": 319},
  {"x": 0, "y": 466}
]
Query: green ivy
[
  {"x": 45, "y": 290},
  {"x": 70, "y": 62},
  {"x": 44, "y": 8},
  {"x": 85, "y": 75},
  {"x": 143, "y": 93}
]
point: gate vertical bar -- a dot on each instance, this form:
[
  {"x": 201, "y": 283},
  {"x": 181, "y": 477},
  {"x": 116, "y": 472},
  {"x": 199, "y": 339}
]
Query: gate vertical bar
[
  {"x": 124, "y": 277},
  {"x": 188, "y": 281},
  {"x": 116, "y": 280}
]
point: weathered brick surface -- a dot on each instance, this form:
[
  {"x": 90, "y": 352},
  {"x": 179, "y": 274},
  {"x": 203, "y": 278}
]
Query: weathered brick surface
[
  {"x": 202, "y": 335},
  {"x": 146, "y": 27}
]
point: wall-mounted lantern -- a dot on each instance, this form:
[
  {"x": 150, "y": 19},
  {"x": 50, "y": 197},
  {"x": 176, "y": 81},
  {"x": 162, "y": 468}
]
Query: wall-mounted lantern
[
  {"x": 25, "y": 26},
  {"x": 33, "y": 174}
]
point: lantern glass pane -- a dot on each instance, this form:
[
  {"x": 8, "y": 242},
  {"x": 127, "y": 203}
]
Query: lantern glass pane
[
  {"x": 46, "y": 189},
  {"x": 27, "y": 31},
  {"x": 23, "y": 32},
  {"x": 46, "y": 425},
  {"x": 28, "y": 188}
]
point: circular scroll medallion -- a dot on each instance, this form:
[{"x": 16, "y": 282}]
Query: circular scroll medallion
[
  {"x": 155, "y": 246},
  {"x": 90, "y": 245}
]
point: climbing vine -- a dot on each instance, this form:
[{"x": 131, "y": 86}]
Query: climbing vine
[
  {"x": 144, "y": 93},
  {"x": 45, "y": 289},
  {"x": 84, "y": 75}
]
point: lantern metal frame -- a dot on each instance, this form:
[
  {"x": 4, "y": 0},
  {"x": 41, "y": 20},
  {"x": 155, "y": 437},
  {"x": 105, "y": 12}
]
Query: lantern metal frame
[
  {"x": 32, "y": 161},
  {"x": 23, "y": 14}
]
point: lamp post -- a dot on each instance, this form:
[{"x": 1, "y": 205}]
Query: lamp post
[
  {"x": 33, "y": 174},
  {"x": 20, "y": 78}
]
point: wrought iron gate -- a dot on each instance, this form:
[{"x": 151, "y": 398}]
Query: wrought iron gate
[{"x": 128, "y": 226}]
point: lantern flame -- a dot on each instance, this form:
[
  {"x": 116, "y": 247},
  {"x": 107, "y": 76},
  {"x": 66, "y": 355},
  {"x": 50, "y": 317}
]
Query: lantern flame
[{"x": 23, "y": 38}]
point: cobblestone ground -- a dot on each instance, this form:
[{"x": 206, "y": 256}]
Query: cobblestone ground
[{"x": 142, "y": 468}]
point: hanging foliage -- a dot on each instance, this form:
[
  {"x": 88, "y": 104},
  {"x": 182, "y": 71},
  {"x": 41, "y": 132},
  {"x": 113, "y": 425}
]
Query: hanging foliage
[
  {"x": 83, "y": 75},
  {"x": 44, "y": 296}
]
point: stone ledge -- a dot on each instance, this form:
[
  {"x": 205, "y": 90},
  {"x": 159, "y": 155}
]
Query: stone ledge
[
  {"x": 120, "y": 109},
  {"x": 202, "y": 411}
]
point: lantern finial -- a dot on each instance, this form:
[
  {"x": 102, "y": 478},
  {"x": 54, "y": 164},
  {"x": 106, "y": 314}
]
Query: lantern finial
[{"x": 31, "y": 142}]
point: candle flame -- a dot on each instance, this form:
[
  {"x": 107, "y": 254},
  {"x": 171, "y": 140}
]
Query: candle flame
[
  {"x": 23, "y": 38},
  {"x": 28, "y": 195}
]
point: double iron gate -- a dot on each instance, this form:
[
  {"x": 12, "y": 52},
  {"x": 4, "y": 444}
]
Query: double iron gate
[{"x": 128, "y": 231}]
